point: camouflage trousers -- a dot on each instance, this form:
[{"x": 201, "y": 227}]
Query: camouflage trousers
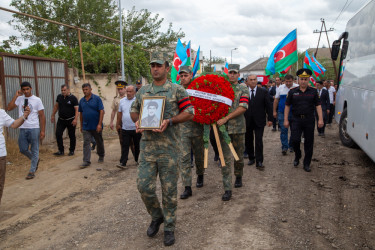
[
  {"x": 188, "y": 143},
  {"x": 238, "y": 141},
  {"x": 160, "y": 162},
  {"x": 226, "y": 171}
]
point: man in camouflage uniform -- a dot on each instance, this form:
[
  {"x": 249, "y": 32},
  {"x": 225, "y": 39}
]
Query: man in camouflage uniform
[
  {"x": 159, "y": 149},
  {"x": 191, "y": 137},
  {"x": 236, "y": 127}
]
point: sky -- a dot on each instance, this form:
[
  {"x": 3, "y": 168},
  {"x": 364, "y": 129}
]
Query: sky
[{"x": 253, "y": 27}]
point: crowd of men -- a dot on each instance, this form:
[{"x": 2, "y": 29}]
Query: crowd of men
[{"x": 165, "y": 147}]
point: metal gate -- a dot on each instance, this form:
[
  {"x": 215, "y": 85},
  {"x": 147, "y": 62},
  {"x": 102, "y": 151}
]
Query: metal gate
[{"x": 45, "y": 76}]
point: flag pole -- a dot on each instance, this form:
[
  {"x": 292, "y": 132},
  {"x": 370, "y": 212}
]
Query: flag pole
[{"x": 297, "y": 48}]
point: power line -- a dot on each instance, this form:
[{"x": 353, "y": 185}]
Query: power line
[{"x": 339, "y": 13}]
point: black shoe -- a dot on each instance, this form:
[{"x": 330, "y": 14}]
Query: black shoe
[
  {"x": 227, "y": 195},
  {"x": 200, "y": 181},
  {"x": 291, "y": 150},
  {"x": 260, "y": 166},
  {"x": 84, "y": 165},
  {"x": 296, "y": 162},
  {"x": 245, "y": 155},
  {"x": 307, "y": 168},
  {"x": 251, "y": 162},
  {"x": 122, "y": 165},
  {"x": 153, "y": 229},
  {"x": 216, "y": 158},
  {"x": 284, "y": 151},
  {"x": 186, "y": 193},
  {"x": 59, "y": 153},
  {"x": 71, "y": 153},
  {"x": 93, "y": 147},
  {"x": 238, "y": 182},
  {"x": 169, "y": 238},
  {"x": 101, "y": 159}
]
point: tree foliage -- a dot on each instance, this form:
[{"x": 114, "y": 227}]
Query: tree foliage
[{"x": 141, "y": 28}]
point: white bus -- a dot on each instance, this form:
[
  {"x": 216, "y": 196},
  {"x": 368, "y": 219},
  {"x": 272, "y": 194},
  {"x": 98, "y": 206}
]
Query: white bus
[{"x": 355, "y": 99}]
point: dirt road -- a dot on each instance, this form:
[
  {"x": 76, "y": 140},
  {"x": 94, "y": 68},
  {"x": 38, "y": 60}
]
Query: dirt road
[{"x": 280, "y": 208}]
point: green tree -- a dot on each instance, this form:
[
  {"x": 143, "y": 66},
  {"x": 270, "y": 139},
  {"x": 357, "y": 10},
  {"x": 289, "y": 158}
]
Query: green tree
[
  {"x": 9, "y": 43},
  {"x": 214, "y": 60},
  {"x": 97, "y": 16}
]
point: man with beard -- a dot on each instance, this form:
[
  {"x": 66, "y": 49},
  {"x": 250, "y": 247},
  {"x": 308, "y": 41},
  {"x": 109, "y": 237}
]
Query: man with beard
[{"x": 159, "y": 148}]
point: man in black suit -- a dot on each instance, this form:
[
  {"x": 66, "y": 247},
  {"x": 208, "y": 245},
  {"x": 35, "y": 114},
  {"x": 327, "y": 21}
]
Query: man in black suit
[
  {"x": 324, "y": 99},
  {"x": 255, "y": 116},
  {"x": 272, "y": 93}
]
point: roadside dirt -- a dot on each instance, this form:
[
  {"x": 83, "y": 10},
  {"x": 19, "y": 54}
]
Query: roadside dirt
[{"x": 282, "y": 207}]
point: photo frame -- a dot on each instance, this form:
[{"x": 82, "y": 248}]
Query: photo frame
[{"x": 152, "y": 110}]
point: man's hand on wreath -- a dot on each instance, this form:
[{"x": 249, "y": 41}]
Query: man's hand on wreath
[
  {"x": 137, "y": 129},
  {"x": 222, "y": 121},
  {"x": 163, "y": 127}
]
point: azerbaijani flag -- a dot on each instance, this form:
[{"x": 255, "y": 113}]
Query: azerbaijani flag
[
  {"x": 322, "y": 69},
  {"x": 307, "y": 63},
  {"x": 179, "y": 59},
  {"x": 196, "y": 65},
  {"x": 283, "y": 55},
  {"x": 226, "y": 72},
  {"x": 283, "y": 73},
  {"x": 188, "y": 52},
  {"x": 312, "y": 81}
]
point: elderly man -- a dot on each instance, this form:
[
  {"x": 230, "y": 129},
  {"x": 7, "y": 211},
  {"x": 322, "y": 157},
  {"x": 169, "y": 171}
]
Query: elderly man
[
  {"x": 67, "y": 105},
  {"x": 32, "y": 130},
  {"x": 7, "y": 121},
  {"x": 127, "y": 127},
  {"x": 159, "y": 150}
]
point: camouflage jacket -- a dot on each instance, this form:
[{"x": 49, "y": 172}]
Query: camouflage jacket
[
  {"x": 237, "y": 125},
  {"x": 177, "y": 101},
  {"x": 191, "y": 129}
]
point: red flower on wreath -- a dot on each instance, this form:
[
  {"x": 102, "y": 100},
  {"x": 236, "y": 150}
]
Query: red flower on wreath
[{"x": 207, "y": 111}]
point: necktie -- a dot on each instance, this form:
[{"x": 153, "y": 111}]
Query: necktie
[{"x": 252, "y": 96}]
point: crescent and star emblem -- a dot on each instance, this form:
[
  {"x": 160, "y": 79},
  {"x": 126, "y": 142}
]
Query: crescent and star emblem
[{"x": 279, "y": 55}]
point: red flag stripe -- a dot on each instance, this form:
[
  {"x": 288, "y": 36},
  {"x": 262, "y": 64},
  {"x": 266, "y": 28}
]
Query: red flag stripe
[{"x": 289, "y": 49}]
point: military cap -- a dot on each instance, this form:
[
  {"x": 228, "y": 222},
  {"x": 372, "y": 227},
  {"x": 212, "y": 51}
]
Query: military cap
[
  {"x": 185, "y": 69},
  {"x": 159, "y": 57},
  {"x": 121, "y": 84},
  {"x": 139, "y": 81},
  {"x": 152, "y": 103},
  {"x": 304, "y": 73},
  {"x": 234, "y": 67}
]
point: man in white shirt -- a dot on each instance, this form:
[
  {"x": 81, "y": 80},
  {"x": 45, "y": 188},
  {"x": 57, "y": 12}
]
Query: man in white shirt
[
  {"x": 127, "y": 126},
  {"x": 7, "y": 121},
  {"x": 278, "y": 112},
  {"x": 33, "y": 128},
  {"x": 332, "y": 96}
]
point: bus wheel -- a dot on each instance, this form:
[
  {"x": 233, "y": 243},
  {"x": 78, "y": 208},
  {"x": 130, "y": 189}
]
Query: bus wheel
[{"x": 344, "y": 136}]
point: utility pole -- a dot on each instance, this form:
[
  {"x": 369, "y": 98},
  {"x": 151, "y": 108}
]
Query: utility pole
[
  {"x": 121, "y": 44},
  {"x": 329, "y": 45}
]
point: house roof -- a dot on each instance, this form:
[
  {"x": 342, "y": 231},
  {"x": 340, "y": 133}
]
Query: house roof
[
  {"x": 259, "y": 64},
  {"x": 323, "y": 53}
]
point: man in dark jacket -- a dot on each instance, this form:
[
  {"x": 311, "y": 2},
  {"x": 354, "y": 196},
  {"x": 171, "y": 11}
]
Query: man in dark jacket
[
  {"x": 324, "y": 98},
  {"x": 259, "y": 106}
]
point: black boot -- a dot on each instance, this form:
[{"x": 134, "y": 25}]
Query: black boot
[
  {"x": 153, "y": 229},
  {"x": 307, "y": 168},
  {"x": 186, "y": 193},
  {"x": 200, "y": 181},
  {"x": 227, "y": 195},
  {"x": 238, "y": 182},
  {"x": 169, "y": 238},
  {"x": 296, "y": 162}
]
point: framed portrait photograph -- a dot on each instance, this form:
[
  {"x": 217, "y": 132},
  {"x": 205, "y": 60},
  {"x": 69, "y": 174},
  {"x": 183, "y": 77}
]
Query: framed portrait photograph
[{"x": 152, "y": 110}]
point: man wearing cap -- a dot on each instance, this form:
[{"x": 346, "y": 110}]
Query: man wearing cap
[
  {"x": 151, "y": 120},
  {"x": 138, "y": 84},
  {"x": 159, "y": 148},
  {"x": 305, "y": 100},
  {"x": 191, "y": 138},
  {"x": 236, "y": 127}
]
